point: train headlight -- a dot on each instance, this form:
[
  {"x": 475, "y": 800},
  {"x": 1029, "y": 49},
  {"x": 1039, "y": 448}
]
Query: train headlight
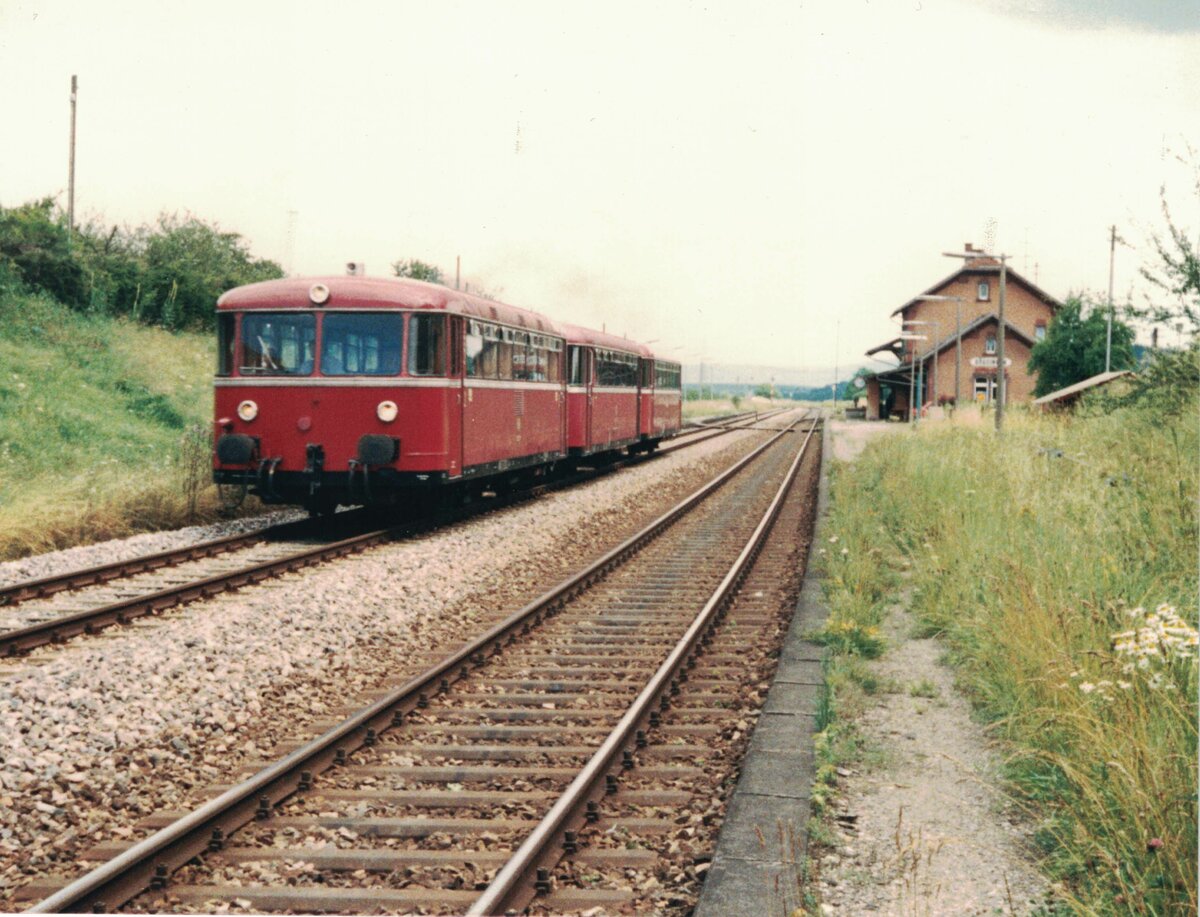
[
  {"x": 247, "y": 410},
  {"x": 387, "y": 411}
]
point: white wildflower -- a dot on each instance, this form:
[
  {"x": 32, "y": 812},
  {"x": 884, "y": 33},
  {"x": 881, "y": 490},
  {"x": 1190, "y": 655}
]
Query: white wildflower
[{"x": 1086, "y": 687}]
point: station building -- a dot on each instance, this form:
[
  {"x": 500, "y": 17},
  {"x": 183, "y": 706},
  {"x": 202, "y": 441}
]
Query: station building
[{"x": 932, "y": 332}]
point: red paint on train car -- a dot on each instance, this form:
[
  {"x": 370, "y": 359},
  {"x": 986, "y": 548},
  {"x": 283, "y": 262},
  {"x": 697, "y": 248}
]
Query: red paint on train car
[{"x": 352, "y": 389}]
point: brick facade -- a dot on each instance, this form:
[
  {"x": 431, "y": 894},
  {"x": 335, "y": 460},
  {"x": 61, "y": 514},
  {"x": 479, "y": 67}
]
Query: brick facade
[{"x": 1027, "y": 313}]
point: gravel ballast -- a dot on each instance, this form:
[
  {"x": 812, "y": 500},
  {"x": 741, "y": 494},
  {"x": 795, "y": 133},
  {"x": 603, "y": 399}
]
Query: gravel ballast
[
  {"x": 93, "y": 555},
  {"x": 106, "y": 730}
]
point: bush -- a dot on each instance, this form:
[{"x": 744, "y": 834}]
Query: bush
[{"x": 169, "y": 274}]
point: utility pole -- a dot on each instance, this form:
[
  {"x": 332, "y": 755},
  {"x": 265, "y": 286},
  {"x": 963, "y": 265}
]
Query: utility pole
[
  {"x": 837, "y": 344},
  {"x": 1112, "y": 254},
  {"x": 71, "y": 172},
  {"x": 1001, "y": 388}
]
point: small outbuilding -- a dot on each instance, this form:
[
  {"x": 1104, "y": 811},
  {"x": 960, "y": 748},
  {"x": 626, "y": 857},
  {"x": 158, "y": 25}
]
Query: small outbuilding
[{"x": 1066, "y": 397}]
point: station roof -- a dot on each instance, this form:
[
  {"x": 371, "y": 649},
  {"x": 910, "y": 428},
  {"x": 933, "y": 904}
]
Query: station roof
[{"x": 982, "y": 266}]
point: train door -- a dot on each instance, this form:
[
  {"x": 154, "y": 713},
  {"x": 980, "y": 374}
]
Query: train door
[
  {"x": 645, "y": 397},
  {"x": 458, "y": 408},
  {"x": 589, "y": 376}
]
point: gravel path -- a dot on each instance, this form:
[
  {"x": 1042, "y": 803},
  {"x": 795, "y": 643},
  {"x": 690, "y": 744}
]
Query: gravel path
[
  {"x": 931, "y": 834},
  {"x": 926, "y": 831},
  {"x": 104, "y": 731}
]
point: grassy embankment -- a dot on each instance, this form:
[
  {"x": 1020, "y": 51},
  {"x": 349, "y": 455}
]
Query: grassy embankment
[
  {"x": 1042, "y": 572},
  {"x": 103, "y": 427}
]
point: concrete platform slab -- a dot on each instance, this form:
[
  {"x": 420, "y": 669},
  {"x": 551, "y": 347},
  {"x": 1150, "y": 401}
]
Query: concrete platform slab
[{"x": 763, "y": 837}]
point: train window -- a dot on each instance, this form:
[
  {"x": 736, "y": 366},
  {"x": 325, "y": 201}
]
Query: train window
[
  {"x": 427, "y": 345},
  {"x": 475, "y": 344},
  {"x": 361, "y": 344},
  {"x": 278, "y": 343},
  {"x": 522, "y": 358},
  {"x": 504, "y": 360},
  {"x": 553, "y": 365},
  {"x": 225, "y": 342},
  {"x": 616, "y": 369},
  {"x": 577, "y": 361},
  {"x": 666, "y": 376}
]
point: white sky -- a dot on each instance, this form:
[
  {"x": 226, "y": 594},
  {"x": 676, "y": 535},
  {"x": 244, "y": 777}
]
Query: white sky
[{"x": 734, "y": 180}]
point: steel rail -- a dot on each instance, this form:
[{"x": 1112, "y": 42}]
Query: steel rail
[
  {"x": 514, "y": 886},
  {"x": 61, "y": 628},
  {"x": 149, "y": 862},
  {"x": 45, "y": 586}
]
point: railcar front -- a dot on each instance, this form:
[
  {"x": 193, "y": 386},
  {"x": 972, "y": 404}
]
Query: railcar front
[{"x": 352, "y": 390}]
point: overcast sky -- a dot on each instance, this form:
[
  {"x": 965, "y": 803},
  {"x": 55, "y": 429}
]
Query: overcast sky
[{"x": 746, "y": 182}]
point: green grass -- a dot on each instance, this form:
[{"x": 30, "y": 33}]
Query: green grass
[
  {"x": 1026, "y": 564},
  {"x": 103, "y": 426}
]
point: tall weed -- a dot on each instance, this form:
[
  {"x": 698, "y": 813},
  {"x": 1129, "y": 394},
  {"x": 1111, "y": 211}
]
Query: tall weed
[{"x": 1029, "y": 553}]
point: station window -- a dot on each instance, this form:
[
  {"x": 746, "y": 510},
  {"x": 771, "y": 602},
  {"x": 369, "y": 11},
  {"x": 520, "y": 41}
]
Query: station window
[
  {"x": 1039, "y": 331},
  {"x": 983, "y": 292},
  {"x": 225, "y": 343},
  {"x": 989, "y": 345},
  {"x": 361, "y": 344},
  {"x": 427, "y": 345},
  {"x": 278, "y": 343}
]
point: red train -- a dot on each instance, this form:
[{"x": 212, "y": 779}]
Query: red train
[{"x": 355, "y": 390}]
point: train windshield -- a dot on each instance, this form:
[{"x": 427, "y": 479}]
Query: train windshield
[
  {"x": 278, "y": 343},
  {"x": 362, "y": 344}
]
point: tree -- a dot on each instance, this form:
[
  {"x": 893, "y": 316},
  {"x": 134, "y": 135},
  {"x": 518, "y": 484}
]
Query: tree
[
  {"x": 1177, "y": 272},
  {"x": 763, "y": 390},
  {"x": 36, "y": 247},
  {"x": 1073, "y": 349},
  {"x": 188, "y": 264},
  {"x": 417, "y": 270}
]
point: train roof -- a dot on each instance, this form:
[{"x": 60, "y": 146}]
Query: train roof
[
  {"x": 577, "y": 335},
  {"x": 348, "y": 292}
]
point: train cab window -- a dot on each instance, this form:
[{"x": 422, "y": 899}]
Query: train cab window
[
  {"x": 427, "y": 345},
  {"x": 225, "y": 343},
  {"x": 361, "y": 344},
  {"x": 278, "y": 343}
]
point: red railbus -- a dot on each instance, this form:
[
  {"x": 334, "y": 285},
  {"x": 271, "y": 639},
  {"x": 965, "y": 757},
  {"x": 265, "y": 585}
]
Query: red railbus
[{"x": 355, "y": 390}]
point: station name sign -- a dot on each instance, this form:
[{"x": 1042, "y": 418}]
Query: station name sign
[{"x": 989, "y": 362}]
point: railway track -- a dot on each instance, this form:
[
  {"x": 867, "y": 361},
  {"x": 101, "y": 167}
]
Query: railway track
[
  {"x": 56, "y": 608},
  {"x": 463, "y": 788}
]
